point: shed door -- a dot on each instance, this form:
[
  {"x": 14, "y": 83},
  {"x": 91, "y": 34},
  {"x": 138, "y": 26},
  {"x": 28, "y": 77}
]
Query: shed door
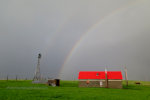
[{"x": 100, "y": 83}]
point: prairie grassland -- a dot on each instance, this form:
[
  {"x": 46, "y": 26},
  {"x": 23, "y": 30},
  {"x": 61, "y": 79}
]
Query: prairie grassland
[{"x": 69, "y": 90}]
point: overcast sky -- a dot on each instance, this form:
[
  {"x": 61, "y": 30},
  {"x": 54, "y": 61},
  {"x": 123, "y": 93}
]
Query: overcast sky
[{"x": 73, "y": 36}]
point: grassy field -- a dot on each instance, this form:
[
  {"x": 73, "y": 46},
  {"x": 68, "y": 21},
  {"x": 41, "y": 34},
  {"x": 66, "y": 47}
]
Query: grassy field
[{"x": 69, "y": 90}]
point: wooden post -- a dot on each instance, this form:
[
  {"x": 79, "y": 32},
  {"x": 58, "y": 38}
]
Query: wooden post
[
  {"x": 7, "y": 78},
  {"x": 126, "y": 77},
  {"x": 16, "y": 77}
]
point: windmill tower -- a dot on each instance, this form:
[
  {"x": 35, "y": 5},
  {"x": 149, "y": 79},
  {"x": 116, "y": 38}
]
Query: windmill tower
[{"x": 37, "y": 77}]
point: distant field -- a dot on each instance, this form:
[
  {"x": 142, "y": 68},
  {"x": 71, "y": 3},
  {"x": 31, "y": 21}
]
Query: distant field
[{"x": 69, "y": 90}]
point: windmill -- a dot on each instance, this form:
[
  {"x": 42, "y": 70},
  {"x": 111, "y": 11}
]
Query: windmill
[{"x": 37, "y": 76}]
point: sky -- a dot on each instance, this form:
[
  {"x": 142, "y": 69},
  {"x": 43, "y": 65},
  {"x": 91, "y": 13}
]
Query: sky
[{"x": 73, "y": 36}]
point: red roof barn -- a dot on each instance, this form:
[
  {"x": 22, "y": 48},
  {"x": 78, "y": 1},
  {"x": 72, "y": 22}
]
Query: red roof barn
[{"x": 110, "y": 79}]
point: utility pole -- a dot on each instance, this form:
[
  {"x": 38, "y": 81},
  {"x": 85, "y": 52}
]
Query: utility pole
[
  {"x": 126, "y": 77},
  {"x": 106, "y": 78}
]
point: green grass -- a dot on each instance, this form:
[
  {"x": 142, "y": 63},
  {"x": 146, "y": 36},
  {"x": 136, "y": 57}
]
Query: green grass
[{"x": 69, "y": 90}]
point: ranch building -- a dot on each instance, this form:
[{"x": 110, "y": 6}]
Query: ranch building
[{"x": 108, "y": 79}]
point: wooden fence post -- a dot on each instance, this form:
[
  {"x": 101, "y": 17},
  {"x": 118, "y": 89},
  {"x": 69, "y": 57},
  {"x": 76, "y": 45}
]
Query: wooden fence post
[
  {"x": 7, "y": 78},
  {"x": 16, "y": 78}
]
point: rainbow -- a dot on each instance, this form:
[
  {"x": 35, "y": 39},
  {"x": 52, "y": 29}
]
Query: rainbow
[{"x": 82, "y": 37}]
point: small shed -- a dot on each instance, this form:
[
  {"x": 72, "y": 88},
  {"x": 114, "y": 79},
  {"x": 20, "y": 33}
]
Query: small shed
[
  {"x": 54, "y": 82},
  {"x": 109, "y": 79}
]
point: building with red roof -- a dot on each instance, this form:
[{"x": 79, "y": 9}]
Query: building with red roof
[{"x": 109, "y": 79}]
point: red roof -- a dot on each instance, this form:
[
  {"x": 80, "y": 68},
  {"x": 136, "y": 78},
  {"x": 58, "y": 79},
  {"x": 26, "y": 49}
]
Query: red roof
[{"x": 100, "y": 75}]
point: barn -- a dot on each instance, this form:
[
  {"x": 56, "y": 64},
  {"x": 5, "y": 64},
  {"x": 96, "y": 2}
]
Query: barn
[{"x": 108, "y": 79}]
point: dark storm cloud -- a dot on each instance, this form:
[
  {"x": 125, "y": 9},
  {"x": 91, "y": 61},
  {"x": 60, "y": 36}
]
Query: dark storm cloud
[{"x": 51, "y": 27}]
